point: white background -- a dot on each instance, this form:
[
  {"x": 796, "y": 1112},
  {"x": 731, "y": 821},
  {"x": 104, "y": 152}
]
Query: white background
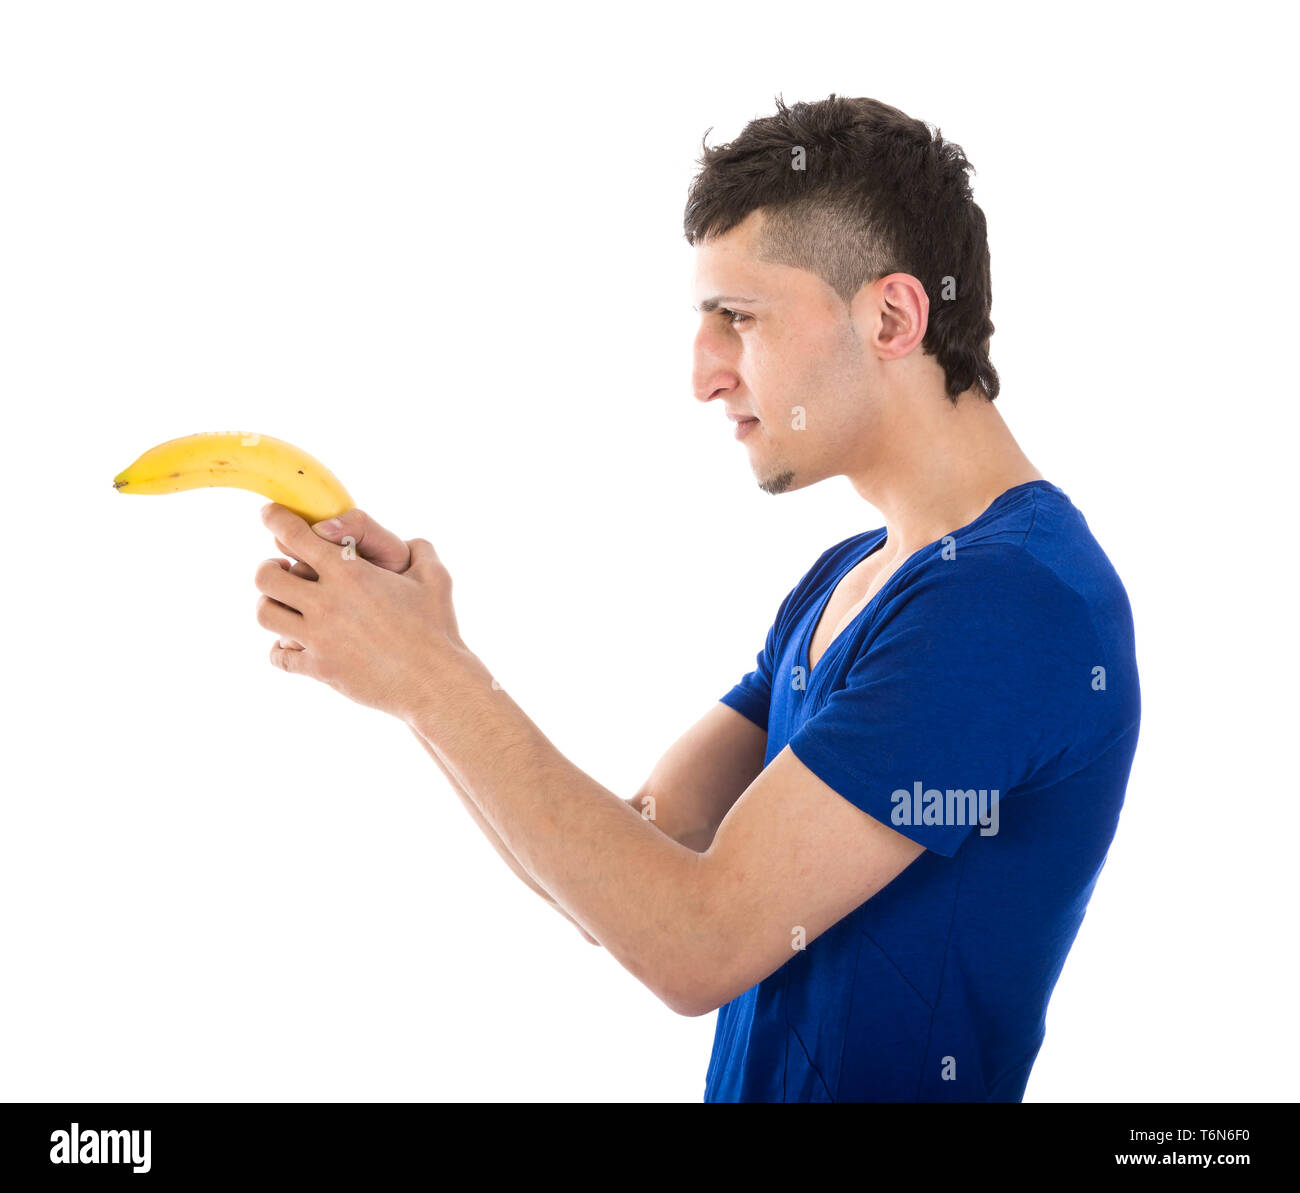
[{"x": 443, "y": 253}]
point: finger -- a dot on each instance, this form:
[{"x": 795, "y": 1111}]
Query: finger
[
  {"x": 306, "y": 571},
  {"x": 371, "y": 541},
  {"x": 273, "y": 616},
  {"x": 297, "y": 537},
  {"x": 298, "y": 569},
  {"x": 296, "y": 661},
  {"x": 277, "y": 582}
]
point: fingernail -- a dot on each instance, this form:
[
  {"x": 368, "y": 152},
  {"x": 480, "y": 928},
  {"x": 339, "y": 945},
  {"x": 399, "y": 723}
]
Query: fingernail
[{"x": 328, "y": 527}]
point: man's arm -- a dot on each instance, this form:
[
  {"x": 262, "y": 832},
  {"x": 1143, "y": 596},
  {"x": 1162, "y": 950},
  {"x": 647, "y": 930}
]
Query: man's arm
[
  {"x": 704, "y": 772},
  {"x": 688, "y": 792},
  {"x": 790, "y": 858},
  {"x": 496, "y": 842}
]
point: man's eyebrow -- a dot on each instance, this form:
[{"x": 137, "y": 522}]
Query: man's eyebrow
[{"x": 709, "y": 305}]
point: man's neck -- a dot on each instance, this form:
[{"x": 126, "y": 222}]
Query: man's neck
[{"x": 943, "y": 469}]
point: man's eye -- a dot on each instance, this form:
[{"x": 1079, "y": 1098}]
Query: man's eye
[{"x": 733, "y": 317}]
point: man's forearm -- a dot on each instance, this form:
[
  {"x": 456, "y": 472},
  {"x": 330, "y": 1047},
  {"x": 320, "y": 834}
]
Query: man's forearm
[
  {"x": 495, "y": 840},
  {"x": 635, "y": 889}
]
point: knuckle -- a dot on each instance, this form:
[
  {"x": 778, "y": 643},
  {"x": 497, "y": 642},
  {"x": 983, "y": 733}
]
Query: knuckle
[{"x": 265, "y": 612}]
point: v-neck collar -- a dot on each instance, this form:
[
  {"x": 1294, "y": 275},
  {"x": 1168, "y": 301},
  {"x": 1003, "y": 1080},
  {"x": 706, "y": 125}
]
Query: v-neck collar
[{"x": 811, "y": 627}]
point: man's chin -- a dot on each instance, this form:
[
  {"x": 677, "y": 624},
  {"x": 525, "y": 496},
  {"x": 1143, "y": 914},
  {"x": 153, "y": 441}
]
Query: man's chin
[{"x": 777, "y": 482}]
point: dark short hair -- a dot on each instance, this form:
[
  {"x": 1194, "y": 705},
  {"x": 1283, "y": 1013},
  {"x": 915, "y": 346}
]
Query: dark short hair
[{"x": 853, "y": 190}]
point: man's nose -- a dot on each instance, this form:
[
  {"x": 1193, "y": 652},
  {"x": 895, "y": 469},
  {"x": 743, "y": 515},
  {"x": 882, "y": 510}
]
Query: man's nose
[
  {"x": 715, "y": 385},
  {"x": 711, "y": 377}
]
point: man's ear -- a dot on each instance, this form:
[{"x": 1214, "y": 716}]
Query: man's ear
[{"x": 901, "y": 315}]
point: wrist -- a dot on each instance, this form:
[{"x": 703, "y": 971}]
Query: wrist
[{"x": 452, "y": 667}]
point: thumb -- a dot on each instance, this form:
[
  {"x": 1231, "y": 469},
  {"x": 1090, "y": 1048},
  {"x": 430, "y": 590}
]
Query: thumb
[{"x": 373, "y": 542}]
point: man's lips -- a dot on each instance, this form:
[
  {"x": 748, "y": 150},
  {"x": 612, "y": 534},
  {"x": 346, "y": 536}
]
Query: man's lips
[{"x": 744, "y": 424}]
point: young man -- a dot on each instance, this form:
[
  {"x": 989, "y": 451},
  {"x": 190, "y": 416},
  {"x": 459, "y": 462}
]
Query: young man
[{"x": 874, "y": 853}]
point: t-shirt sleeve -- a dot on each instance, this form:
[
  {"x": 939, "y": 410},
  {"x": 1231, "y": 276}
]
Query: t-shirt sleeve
[
  {"x": 975, "y": 677},
  {"x": 752, "y": 696}
]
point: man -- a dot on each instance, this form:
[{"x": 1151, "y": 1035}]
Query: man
[{"x": 874, "y": 852}]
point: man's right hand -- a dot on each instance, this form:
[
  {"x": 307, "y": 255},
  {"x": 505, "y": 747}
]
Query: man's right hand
[{"x": 372, "y": 542}]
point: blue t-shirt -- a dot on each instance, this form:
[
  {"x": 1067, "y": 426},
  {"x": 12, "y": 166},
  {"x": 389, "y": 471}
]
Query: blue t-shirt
[{"x": 985, "y": 704}]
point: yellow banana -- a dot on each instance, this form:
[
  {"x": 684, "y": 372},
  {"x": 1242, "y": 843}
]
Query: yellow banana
[{"x": 239, "y": 460}]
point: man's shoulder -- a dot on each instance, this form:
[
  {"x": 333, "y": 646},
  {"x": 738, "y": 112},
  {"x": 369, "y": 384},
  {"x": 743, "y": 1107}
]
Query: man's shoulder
[
  {"x": 1024, "y": 587},
  {"x": 1033, "y": 556},
  {"x": 1043, "y": 543},
  {"x": 1061, "y": 542},
  {"x": 1034, "y": 589}
]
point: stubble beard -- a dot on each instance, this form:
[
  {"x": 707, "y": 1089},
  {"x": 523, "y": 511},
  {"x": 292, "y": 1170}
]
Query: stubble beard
[{"x": 778, "y": 483}]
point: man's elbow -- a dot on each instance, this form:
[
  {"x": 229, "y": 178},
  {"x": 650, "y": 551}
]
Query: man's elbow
[
  {"x": 692, "y": 993},
  {"x": 701, "y": 973},
  {"x": 692, "y": 1008},
  {"x": 688, "y": 966}
]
